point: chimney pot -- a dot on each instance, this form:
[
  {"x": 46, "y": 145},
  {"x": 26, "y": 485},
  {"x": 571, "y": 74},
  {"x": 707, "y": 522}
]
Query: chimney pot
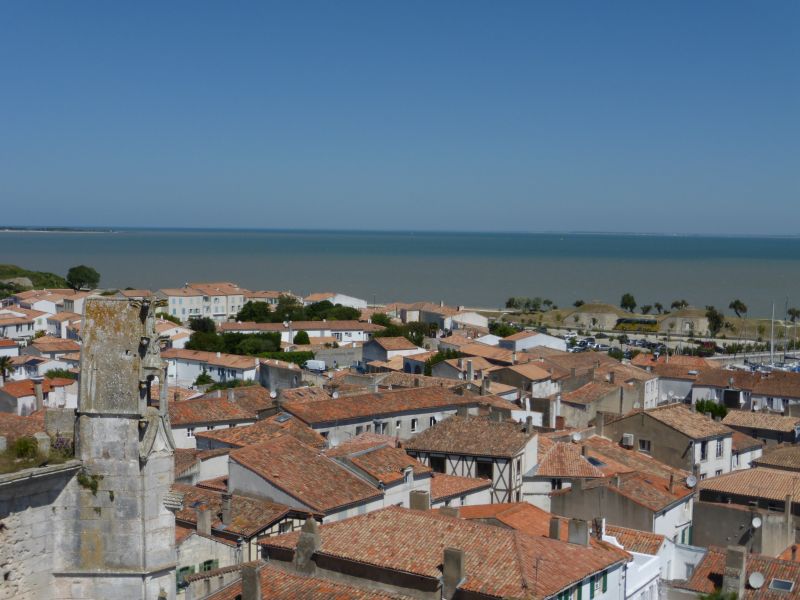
[
  {"x": 307, "y": 545},
  {"x": 251, "y": 582},
  {"x": 227, "y": 510},
  {"x": 578, "y": 532},
  {"x": 734, "y": 576},
  {"x": 419, "y": 500},
  {"x": 204, "y": 520},
  {"x": 453, "y": 571},
  {"x": 671, "y": 483}
]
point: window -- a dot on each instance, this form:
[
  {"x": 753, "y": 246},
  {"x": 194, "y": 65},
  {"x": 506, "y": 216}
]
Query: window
[
  {"x": 719, "y": 448},
  {"x": 483, "y": 469},
  {"x": 414, "y": 424},
  {"x": 782, "y": 585},
  {"x": 556, "y": 484},
  {"x": 718, "y": 472},
  {"x": 380, "y": 427},
  {"x": 359, "y": 429},
  {"x": 644, "y": 446},
  {"x": 181, "y": 574},
  {"x": 398, "y": 425},
  {"x": 285, "y": 527},
  {"x": 432, "y": 421},
  {"x": 702, "y": 476},
  {"x": 519, "y": 466},
  {"x": 209, "y": 428},
  {"x": 703, "y": 450},
  {"x": 190, "y": 432},
  {"x": 209, "y": 565},
  {"x": 437, "y": 464}
]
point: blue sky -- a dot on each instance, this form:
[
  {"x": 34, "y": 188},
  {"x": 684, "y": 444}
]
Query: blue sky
[{"x": 524, "y": 116}]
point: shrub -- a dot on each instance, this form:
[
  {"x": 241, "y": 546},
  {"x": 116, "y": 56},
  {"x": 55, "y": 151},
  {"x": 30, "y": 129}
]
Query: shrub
[
  {"x": 25, "y": 447},
  {"x": 203, "y": 379}
]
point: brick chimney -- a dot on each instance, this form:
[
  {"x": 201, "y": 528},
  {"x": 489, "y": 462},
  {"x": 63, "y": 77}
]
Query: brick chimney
[
  {"x": 735, "y": 574},
  {"x": 453, "y": 572},
  {"x": 226, "y": 508},
  {"x": 307, "y": 545},
  {"x": 251, "y": 582},
  {"x": 578, "y": 532},
  {"x": 204, "y": 520}
]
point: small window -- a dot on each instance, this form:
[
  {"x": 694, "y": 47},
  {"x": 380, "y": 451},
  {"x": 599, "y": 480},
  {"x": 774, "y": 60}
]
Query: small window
[
  {"x": 432, "y": 421},
  {"x": 719, "y": 448},
  {"x": 702, "y": 476},
  {"x": 209, "y": 565},
  {"x": 781, "y": 585},
  {"x": 718, "y": 472},
  {"x": 285, "y": 527},
  {"x": 703, "y": 450},
  {"x": 483, "y": 469},
  {"x": 398, "y": 425},
  {"x": 359, "y": 429},
  {"x": 437, "y": 464},
  {"x": 645, "y": 446},
  {"x": 414, "y": 424},
  {"x": 190, "y": 432},
  {"x": 210, "y": 428}
]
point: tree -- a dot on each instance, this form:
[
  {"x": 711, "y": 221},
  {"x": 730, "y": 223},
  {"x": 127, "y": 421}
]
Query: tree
[
  {"x": 203, "y": 379},
  {"x": 61, "y": 374},
  {"x": 381, "y": 319},
  {"x": 202, "y": 325},
  {"x": 715, "y": 320},
  {"x": 257, "y": 312},
  {"x": 301, "y": 337},
  {"x": 679, "y": 304},
  {"x": 5, "y": 367},
  {"x": 709, "y": 406},
  {"x": 659, "y": 307},
  {"x": 628, "y": 302},
  {"x": 578, "y": 303},
  {"x": 646, "y": 309},
  {"x": 501, "y": 329},
  {"x": 794, "y": 314},
  {"x": 82, "y": 277},
  {"x": 738, "y": 307}
]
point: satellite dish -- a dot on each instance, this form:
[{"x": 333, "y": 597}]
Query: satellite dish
[
  {"x": 273, "y": 395},
  {"x": 756, "y": 580},
  {"x": 576, "y": 437},
  {"x": 691, "y": 481},
  {"x": 756, "y": 522},
  {"x": 335, "y": 395}
]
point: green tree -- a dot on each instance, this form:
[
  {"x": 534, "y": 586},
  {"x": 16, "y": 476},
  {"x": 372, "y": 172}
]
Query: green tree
[
  {"x": 715, "y": 320},
  {"x": 501, "y": 329},
  {"x": 738, "y": 307},
  {"x": 258, "y": 312},
  {"x": 83, "y": 277},
  {"x": 709, "y": 406},
  {"x": 679, "y": 304},
  {"x": 381, "y": 319},
  {"x": 301, "y": 337},
  {"x": 60, "y": 373},
  {"x": 646, "y": 309},
  {"x": 203, "y": 379},
  {"x": 628, "y": 302},
  {"x": 202, "y": 324},
  {"x": 578, "y": 303},
  {"x": 5, "y": 367},
  {"x": 719, "y": 595},
  {"x": 659, "y": 307},
  {"x": 794, "y": 314}
]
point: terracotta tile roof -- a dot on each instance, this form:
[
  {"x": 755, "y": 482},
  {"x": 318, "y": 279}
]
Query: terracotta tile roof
[
  {"x": 382, "y": 461},
  {"x": 361, "y": 442},
  {"x": 761, "y": 420},
  {"x": 634, "y": 540},
  {"x": 53, "y": 344},
  {"x": 743, "y": 442},
  {"x": 646, "y": 359},
  {"x": 611, "y": 458},
  {"x": 174, "y": 393},
  {"x": 265, "y": 430},
  {"x": 500, "y": 562},
  {"x": 590, "y": 392},
  {"x": 420, "y": 357},
  {"x": 534, "y": 370},
  {"x": 266, "y": 294},
  {"x": 186, "y": 291},
  {"x": 6, "y": 343},
  {"x": 248, "y": 515},
  {"x": 25, "y": 387},
  {"x": 411, "y": 380},
  {"x": 782, "y": 457},
  {"x": 63, "y": 316},
  {"x": 670, "y": 371},
  {"x": 457, "y": 340},
  {"x": 446, "y": 487},
  {"x": 707, "y": 577},
  {"x": 302, "y": 472},
  {"x": 759, "y": 482},
  {"x": 473, "y": 436},
  {"x": 725, "y": 378},
  {"x": 13, "y": 426},
  {"x": 778, "y": 384},
  {"x": 301, "y": 326},
  {"x": 252, "y": 398},
  {"x": 394, "y": 343},
  {"x": 521, "y": 335},
  {"x": 182, "y": 534},
  {"x": 304, "y": 394},
  {"x": 186, "y": 458},
  {"x": 385, "y": 404},
  {"x": 478, "y": 363},
  {"x": 278, "y": 584},
  {"x": 217, "y": 359},
  {"x": 219, "y": 484},
  {"x": 790, "y": 552},
  {"x": 649, "y": 491},
  {"x": 200, "y": 411},
  {"x": 223, "y": 288},
  {"x": 491, "y": 353},
  {"x": 688, "y": 422},
  {"x": 273, "y": 362},
  {"x": 564, "y": 461}
]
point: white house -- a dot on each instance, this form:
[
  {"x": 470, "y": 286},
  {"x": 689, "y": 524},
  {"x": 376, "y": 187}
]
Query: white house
[
  {"x": 335, "y": 298},
  {"x": 385, "y": 348},
  {"x": 184, "y": 366},
  {"x": 8, "y": 347},
  {"x": 19, "y": 323},
  {"x": 532, "y": 339},
  {"x": 340, "y": 331},
  {"x": 25, "y": 396}
]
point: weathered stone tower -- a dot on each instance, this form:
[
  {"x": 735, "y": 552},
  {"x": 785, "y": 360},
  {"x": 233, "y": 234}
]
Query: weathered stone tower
[{"x": 124, "y": 534}]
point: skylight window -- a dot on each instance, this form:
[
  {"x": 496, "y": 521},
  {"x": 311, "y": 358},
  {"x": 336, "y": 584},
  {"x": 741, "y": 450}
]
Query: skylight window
[{"x": 781, "y": 585}]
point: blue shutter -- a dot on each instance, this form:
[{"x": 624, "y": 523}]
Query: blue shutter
[
  {"x": 605, "y": 581},
  {"x": 591, "y": 586}
]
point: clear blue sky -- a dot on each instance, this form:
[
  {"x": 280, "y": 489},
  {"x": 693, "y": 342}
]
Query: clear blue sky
[{"x": 525, "y": 116}]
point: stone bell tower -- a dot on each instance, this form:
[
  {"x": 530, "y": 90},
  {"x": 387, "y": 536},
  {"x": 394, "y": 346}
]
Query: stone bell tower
[{"x": 124, "y": 536}]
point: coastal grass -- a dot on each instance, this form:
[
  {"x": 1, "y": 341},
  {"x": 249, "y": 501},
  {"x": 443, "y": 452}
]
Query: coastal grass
[{"x": 39, "y": 279}]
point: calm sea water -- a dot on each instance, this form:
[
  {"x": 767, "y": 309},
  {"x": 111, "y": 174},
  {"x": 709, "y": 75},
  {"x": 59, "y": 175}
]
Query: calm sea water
[{"x": 476, "y": 269}]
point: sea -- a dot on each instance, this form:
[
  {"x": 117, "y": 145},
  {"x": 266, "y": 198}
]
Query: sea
[{"x": 471, "y": 269}]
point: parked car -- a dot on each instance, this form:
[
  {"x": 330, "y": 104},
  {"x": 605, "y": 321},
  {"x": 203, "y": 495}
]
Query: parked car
[{"x": 602, "y": 347}]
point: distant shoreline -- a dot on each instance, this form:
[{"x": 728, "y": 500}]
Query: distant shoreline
[{"x": 52, "y": 230}]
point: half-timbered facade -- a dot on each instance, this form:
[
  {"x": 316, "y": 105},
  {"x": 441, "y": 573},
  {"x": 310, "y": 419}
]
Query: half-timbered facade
[{"x": 484, "y": 448}]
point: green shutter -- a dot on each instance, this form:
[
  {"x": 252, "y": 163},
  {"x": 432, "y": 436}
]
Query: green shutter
[
  {"x": 580, "y": 590},
  {"x": 591, "y": 586},
  {"x": 605, "y": 581}
]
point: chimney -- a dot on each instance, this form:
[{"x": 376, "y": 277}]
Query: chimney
[
  {"x": 794, "y": 552},
  {"x": 219, "y": 354},
  {"x": 460, "y": 364},
  {"x": 470, "y": 372},
  {"x": 514, "y": 357},
  {"x": 555, "y": 528},
  {"x": 495, "y": 415},
  {"x": 485, "y": 386},
  {"x": 611, "y": 376},
  {"x": 307, "y": 545},
  {"x": 453, "y": 572},
  {"x": 734, "y": 576},
  {"x": 251, "y": 582},
  {"x": 203, "y": 520},
  {"x": 578, "y": 532},
  {"x": 529, "y": 424},
  {"x": 617, "y": 481},
  {"x": 417, "y": 382},
  {"x": 462, "y": 411},
  {"x": 419, "y": 500},
  {"x": 231, "y": 395},
  {"x": 599, "y": 527},
  {"x": 787, "y": 511},
  {"x": 599, "y": 424},
  {"x": 38, "y": 392},
  {"x": 218, "y": 394},
  {"x": 226, "y": 508},
  {"x": 449, "y": 511}
]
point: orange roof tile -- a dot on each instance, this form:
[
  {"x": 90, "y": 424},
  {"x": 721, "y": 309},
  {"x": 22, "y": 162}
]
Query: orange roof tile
[
  {"x": 473, "y": 436},
  {"x": 262, "y": 431},
  {"x": 761, "y": 420}
]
